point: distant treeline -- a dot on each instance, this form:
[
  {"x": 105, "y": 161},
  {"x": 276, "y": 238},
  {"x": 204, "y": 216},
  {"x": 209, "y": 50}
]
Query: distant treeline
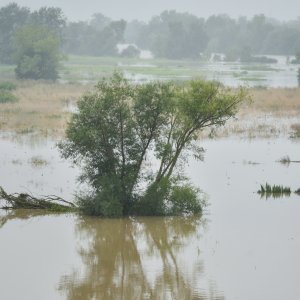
[{"x": 170, "y": 35}]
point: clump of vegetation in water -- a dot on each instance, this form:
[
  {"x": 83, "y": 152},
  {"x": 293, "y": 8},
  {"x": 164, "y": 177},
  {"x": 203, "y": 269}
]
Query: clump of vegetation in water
[
  {"x": 37, "y": 161},
  {"x": 27, "y": 201},
  {"x": 295, "y": 130},
  {"x": 275, "y": 190},
  {"x": 285, "y": 160},
  {"x": 121, "y": 127},
  {"x": 297, "y": 192}
]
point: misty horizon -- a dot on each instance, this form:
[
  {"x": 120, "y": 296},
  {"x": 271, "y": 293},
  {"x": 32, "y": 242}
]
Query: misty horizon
[{"x": 144, "y": 10}]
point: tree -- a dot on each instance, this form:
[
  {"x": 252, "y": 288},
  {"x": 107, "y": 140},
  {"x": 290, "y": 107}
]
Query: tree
[
  {"x": 12, "y": 17},
  {"x": 97, "y": 39},
  {"x": 174, "y": 35},
  {"x": 36, "y": 53},
  {"x": 99, "y": 21},
  {"x": 120, "y": 126},
  {"x": 51, "y": 18}
]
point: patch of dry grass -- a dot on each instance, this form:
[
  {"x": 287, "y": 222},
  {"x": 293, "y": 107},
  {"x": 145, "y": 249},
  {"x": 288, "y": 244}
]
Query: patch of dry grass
[
  {"x": 275, "y": 101},
  {"x": 42, "y": 107},
  {"x": 271, "y": 113}
]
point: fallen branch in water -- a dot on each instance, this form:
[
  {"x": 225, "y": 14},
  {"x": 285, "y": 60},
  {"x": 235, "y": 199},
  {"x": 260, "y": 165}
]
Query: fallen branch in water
[{"x": 27, "y": 201}]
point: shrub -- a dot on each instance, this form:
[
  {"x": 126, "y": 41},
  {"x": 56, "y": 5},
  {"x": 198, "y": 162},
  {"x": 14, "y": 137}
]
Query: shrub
[
  {"x": 7, "y": 86},
  {"x": 7, "y": 97}
]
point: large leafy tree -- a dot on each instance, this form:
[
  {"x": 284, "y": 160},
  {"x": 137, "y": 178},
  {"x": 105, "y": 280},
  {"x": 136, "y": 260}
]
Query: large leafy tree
[
  {"x": 51, "y": 18},
  {"x": 121, "y": 128},
  {"x": 12, "y": 17},
  {"x": 174, "y": 35},
  {"x": 36, "y": 53}
]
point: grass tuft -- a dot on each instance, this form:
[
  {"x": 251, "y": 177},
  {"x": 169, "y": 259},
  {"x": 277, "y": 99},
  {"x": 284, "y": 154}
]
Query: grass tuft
[
  {"x": 295, "y": 130},
  {"x": 285, "y": 160},
  {"x": 275, "y": 190},
  {"x": 37, "y": 161}
]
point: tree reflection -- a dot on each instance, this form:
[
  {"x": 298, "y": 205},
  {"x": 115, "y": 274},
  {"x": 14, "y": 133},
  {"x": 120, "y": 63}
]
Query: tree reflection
[{"x": 136, "y": 259}]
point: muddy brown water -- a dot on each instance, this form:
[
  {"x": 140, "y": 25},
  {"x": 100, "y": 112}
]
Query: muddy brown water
[{"x": 243, "y": 247}]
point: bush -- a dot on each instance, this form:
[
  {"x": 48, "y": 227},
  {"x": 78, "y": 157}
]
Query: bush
[
  {"x": 7, "y": 86},
  {"x": 7, "y": 97},
  {"x": 185, "y": 199}
]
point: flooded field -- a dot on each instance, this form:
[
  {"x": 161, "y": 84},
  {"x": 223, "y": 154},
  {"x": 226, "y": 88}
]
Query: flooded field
[
  {"x": 243, "y": 247},
  {"x": 88, "y": 69}
]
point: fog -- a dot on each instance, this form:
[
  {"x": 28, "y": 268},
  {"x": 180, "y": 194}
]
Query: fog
[{"x": 144, "y": 9}]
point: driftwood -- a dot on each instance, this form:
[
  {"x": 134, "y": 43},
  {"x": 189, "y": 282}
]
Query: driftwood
[{"x": 27, "y": 201}]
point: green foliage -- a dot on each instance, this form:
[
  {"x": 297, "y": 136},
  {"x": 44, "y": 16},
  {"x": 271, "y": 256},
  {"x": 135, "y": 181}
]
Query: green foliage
[
  {"x": 185, "y": 199},
  {"x": 36, "y": 53},
  {"x": 104, "y": 203},
  {"x": 7, "y": 97},
  {"x": 120, "y": 126},
  {"x": 7, "y": 86}
]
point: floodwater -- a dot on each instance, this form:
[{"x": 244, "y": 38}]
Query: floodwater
[
  {"x": 243, "y": 247},
  {"x": 233, "y": 74}
]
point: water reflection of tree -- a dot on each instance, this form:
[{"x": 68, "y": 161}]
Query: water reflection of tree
[{"x": 115, "y": 255}]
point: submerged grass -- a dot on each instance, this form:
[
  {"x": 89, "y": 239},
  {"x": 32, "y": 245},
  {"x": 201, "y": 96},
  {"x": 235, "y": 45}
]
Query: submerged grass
[
  {"x": 285, "y": 160},
  {"x": 38, "y": 161}
]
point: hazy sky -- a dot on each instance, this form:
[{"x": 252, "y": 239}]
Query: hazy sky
[{"x": 144, "y": 9}]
